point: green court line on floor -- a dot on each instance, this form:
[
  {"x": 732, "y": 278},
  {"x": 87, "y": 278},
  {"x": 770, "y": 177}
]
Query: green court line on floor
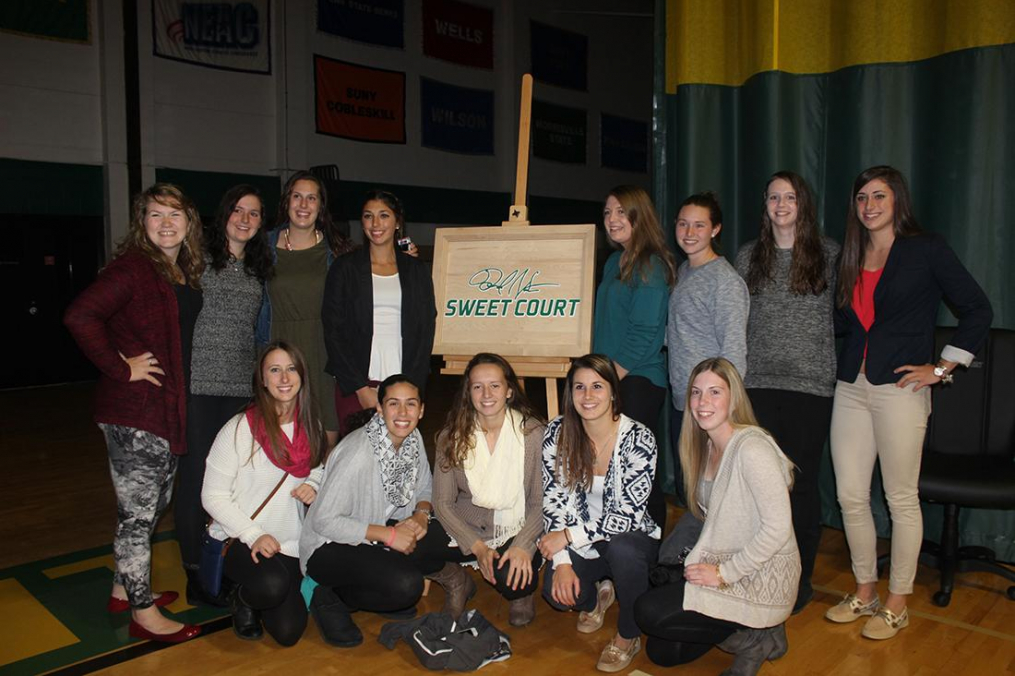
[{"x": 77, "y": 599}]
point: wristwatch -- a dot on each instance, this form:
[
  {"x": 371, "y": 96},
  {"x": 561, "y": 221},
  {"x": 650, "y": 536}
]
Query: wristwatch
[{"x": 942, "y": 373}]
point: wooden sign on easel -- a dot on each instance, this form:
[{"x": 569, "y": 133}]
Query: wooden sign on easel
[{"x": 524, "y": 292}]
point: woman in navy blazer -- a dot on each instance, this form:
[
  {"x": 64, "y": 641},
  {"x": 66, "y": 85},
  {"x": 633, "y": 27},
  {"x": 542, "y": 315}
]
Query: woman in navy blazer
[
  {"x": 376, "y": 325},
  {"x": 892, "y": 278}
]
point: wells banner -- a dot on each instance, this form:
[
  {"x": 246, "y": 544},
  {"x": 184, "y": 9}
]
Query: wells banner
[
  {"x": 377, "y": 22},
  {"x": 455, "y": 118},
  {"x": 358, "y": 102},
  {"x": 623, "y": 143},
  {"x": 559, "y": 57},
  {"x": 458, "y": 32},
  {"x": 65, "y": 20},
  {"x": 225, "y": 35},
  {"x": 559, "y": 133}
]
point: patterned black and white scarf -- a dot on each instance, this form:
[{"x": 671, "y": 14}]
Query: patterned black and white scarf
[{"x": 398, "y": 467}]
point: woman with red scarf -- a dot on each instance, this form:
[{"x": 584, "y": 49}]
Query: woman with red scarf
[{"x": 273, "y": 449}]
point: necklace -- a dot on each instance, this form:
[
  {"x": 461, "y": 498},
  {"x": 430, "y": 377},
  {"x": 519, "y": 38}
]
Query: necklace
[
  {"x": 605, "y": 443},
  {"x": 288, "y": 244}
]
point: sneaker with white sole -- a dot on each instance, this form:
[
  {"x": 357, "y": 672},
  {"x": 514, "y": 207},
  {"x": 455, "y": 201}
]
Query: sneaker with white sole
[{"x": 851, "y": 608}]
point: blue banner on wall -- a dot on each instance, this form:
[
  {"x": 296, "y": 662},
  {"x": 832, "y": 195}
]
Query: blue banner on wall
[
  {"x": 624, "y": 143},
  {"x": 458, "y": 119},
  {"x": 377, "y": 22},
  {"x": 559, "y": 57}
]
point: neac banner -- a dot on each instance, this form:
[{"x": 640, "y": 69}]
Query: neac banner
[
  {"x": 358, "y": 102},
  {"x": 458, "y": 32},
  {"x": 623, "y": 143},
  {"x": 559, "y": 133},
  {"x": 459, "y": 119},
  {"x": 376, "y": 22},
  {"x": 224, "y": 35},
  {"x": 64, "y": 20},
  {"x": 559, "y": 57}
]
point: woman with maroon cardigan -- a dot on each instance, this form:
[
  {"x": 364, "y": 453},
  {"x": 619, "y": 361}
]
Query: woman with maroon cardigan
[{"x": 135, "y": 323}]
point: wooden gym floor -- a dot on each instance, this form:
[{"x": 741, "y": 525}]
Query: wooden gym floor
[{"x": 56, "y": 517}]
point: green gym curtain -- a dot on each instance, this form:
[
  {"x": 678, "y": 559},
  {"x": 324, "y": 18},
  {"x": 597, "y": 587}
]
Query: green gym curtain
[{"x": 829, "y": 87}]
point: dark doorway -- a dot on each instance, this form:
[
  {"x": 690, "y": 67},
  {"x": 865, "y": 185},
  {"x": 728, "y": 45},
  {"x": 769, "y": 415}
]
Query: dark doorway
[{"x": 45, "y": 261}]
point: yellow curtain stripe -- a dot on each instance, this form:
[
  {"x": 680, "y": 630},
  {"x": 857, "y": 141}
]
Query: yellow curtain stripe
[{"x": 725, "y": 42}]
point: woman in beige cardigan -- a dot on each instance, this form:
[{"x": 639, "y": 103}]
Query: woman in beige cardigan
[
  {"x": 740, "y": 579},
  {"x": 487, "y": 490}
]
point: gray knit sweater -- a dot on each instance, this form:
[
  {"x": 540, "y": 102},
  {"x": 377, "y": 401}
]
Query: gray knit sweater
[
  {"x": 707, "y": 318},
  {"x": 790, "y": 339},
  {"x": 224, "y": 351},
  {"x": 352, "y": 496}
]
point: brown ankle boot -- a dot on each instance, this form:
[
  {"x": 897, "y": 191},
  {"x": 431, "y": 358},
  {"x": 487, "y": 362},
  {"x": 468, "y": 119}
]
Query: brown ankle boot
[
  {"x": 522, "y": 611},
  {"x": 458, "y": 588}
]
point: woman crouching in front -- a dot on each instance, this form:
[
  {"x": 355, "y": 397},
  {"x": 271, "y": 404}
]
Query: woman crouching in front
[
  {"x": 262, "y": 468},
  {"x": 488, "y": 491},
  {"x": 373, "y": 507},
  {"x": 598, "y": 467},
  {"x": 740, "y": 579}
]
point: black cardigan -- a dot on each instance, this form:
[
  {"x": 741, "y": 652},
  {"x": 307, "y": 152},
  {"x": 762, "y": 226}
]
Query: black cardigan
[
  {"x": 920, "y": 270},
  {"x": 348, "y": 316}
]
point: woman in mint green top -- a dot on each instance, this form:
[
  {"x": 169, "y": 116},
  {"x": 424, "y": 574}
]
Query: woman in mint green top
[{"x": 631, "y": 308}]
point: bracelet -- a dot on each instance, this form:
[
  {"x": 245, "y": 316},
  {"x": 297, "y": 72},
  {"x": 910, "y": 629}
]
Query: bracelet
[
  {"x": 723, "y": 586},
  {"x": 425, "y": 513},
  {"x": 391, "y": 538}
]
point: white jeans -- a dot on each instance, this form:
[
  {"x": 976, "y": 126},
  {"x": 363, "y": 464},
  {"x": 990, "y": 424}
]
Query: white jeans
[{"x": 886, "y": 423}]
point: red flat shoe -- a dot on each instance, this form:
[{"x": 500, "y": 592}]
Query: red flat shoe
[
  {"x": 116, "y": 605},
  {"x": 185, "y": 633}
]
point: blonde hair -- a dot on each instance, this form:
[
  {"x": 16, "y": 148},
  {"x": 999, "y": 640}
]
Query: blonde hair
[{"x": 694, "y": 440}]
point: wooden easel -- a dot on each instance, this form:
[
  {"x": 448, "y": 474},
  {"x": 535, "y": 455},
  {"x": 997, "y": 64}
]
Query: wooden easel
[{"x": 550, "y": 368}]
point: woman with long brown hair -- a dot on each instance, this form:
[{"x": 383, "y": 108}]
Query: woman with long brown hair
[
  {"x": 741, "y": 575},
  {"x": 238, "y": 262},
  {"x": 488, "y": 492},
  {"x": 136, "y": 324},
  {"x": 790, "y": 273},
  {"x": 630, "y": 316},
  {"x": 598, "y": 468},
  {"x": 304, "y": 243},
  {"x": 892, "y": 279},
  {"x": 274, "y": 448},
  {"x": 379, "y": 310}
]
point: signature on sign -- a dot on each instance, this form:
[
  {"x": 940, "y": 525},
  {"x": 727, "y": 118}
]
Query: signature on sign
[{"x": 513, "y": 284}]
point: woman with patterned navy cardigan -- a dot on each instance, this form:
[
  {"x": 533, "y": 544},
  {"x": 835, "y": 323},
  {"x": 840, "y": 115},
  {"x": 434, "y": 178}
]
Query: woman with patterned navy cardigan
[
  {"x": 598, "y": 467},
  {"x": 891, "y": 281}
]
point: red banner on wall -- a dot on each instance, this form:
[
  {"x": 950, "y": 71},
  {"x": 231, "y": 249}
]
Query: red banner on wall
[
  {"x": 458, "y": 32},
  {"x": 358, "y": 102}
]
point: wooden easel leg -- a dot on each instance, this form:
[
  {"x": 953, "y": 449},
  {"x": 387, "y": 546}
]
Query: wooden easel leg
[{"x": 552, "y": 406}]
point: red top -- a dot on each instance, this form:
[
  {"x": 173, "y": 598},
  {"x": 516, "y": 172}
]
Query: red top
[
  {"x": 131, "y": 309},
  {"x": 863, "y": 298}
]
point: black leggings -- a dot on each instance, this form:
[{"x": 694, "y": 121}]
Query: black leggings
[
  {"x": 625, "y": 559},
  {"x": 677, "y": 636},
  {"x": 433, "y": 552},
  {"x": 370, "y": 577},
  {"x": 205, "y": 417},
  {"x": 642, "y": 400},
  {"x": 799, "y": 422},
  {"x": 271, "y": 586}
]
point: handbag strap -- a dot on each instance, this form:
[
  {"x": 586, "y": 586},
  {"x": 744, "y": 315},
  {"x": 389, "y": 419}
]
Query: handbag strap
[{"x": 270, "y": 496}]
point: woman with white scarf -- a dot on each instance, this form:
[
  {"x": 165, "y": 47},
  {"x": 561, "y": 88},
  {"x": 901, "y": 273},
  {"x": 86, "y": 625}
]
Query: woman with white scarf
[
  {"x": 488, "y": 493},
  {"x": 372, "y": 509}
]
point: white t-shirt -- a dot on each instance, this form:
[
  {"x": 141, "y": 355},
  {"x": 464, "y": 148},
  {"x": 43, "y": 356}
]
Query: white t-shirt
[{"x": 386, "y": 347}]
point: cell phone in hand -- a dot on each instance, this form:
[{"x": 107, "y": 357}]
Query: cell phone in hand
[{"x": 405, "y": 243}]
